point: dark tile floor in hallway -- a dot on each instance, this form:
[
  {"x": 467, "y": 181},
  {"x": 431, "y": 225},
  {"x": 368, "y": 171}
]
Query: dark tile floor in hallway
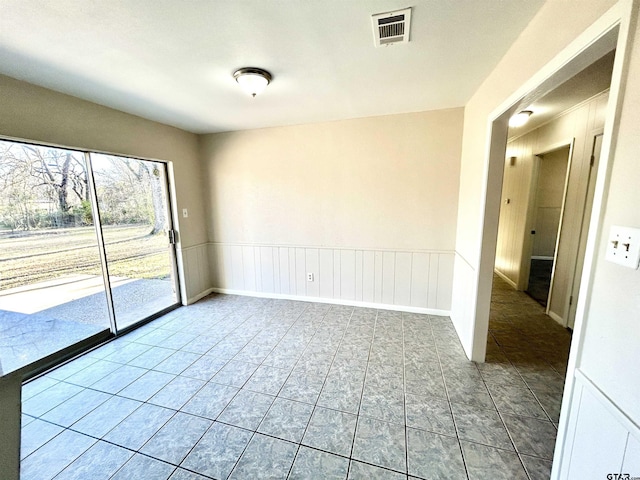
[{"x": 244, "y": 388}]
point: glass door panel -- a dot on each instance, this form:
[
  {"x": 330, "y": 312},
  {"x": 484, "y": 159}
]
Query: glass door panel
[
  {"x": 52, "y": 294},
  {"x": 134, "y": 214}
]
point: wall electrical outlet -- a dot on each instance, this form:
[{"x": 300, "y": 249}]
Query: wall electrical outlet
[
  {"x": 623, "y": 246},
  {"x": 309, "y": 277}
]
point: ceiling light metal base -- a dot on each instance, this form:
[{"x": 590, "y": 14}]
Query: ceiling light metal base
[{"x": 252, "y": 79}]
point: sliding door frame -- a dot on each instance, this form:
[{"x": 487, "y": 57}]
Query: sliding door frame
[{"x": 95, "y": 210}]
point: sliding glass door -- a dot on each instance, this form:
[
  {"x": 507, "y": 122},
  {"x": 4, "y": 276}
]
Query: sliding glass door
[
  {"x": 52, "y": 293},
  {"x": 133, "y": 205},
  {"x": 85, "y": 249}
]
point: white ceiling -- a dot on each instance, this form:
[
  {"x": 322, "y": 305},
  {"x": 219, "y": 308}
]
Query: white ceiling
[
  {"x": 172, "y": 61},
  {"x": 591, "y": 81}
]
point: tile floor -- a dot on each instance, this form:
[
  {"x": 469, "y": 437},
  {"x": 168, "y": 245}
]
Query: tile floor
[{"x": 244, "y": 388}]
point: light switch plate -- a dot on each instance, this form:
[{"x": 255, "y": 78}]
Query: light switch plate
[
  {"x": 185, "y": 213},
  {"x": 623, "y": 246}
]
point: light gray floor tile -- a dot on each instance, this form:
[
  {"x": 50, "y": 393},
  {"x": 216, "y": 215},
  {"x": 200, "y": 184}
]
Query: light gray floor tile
[
  {"x": 55, "y": 455},
  {"x": 178, "y": 340},
  {"x": 286, "y": 419},
  {"x": 119, "y": 379},
  {"x": 331, "y": 430},
  {"x": 433, "y": 456},
  {"x": 89, "y": 376},
  {"x": 36, "y": 386},
  {"x": 173, "y": 442},
  {"x": 134, "y": 431},
  {"x": 36, "y": 434},
  {"x": 50, "y": 398},
  {"x": 265, "y": 457},
  {"x": 204, "y": 368},
  {"x": 537, "y": 468},
  {"x": 182, "y": 474},
  {"x": 481, "y": 426},
  {"x": 311, "y": 464},
  {"x": 247, "y": 409},
  {"x": 364, "y": 471},
  {"x": 152, "y": 357},
  {"x": 218, "y": 451},
  {"x": 234, "y": 373},
  {"x": 177, "y": 392},
  {"x": 65, "y": 371},
  {"x": 486, "y": 462},
  {"x": 551, "y": 403},
  {"x": 474, "y": 394},
  {"x": 155, "y": 337},
  {"x": 406, "y": 353},
  {"x": 516, "y": 400},
  {"x": 100, "y": 462},
  {"x": 146, "y": 386},
  {"x": 201, "y": 345},
  {"x": 26, "y": 420},
  {"x": 210, "y": 400},
  {"x": 429, "y": 385},
  {"x": 106, "y": 416},
  {"x": 500, "y": 374},
  {"x": 380, "y": 443},
  {"x": 76, "y": 407},
  {"x": 532, "y": 436},
  {"x": 302, "y": 389},
  {"x": 141, "y": 466},
  {"x": 267, "y": 380},
  {"x": 108, "y": 348},
  {"x": 344, "y": 396},
  {"x": 127, "y": 352},
  {"x": 429, "y": 413},
  {"x": 177, "y": 363},
  {"x": 386, "y": 406}
]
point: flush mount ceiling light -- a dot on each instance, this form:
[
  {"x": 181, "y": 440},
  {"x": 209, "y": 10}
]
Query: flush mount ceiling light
[
  {"x": 519, "y": 119},
  {"x": 252, "y": 80}
]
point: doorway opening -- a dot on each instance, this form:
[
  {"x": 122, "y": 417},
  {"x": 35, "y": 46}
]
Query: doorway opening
[
  {"x": 548, "y": 182},
  {"x": 551, "y": 170}
]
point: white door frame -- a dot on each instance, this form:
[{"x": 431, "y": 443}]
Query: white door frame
[
  {"x": 611, "y": 30},
  {"x": 569, "y": 144}
]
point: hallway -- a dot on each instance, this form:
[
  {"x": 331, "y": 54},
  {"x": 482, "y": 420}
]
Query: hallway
[{"x": 527, "y": 353}]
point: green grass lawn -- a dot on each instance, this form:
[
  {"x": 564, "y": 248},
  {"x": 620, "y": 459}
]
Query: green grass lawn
[{"x": 39, "y": 255}]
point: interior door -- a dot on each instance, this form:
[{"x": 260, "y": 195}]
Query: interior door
[
  {"x": 133, "y": 206},
  {"x": 549, "y": 199},
  {"x": 584, "y": 228}
]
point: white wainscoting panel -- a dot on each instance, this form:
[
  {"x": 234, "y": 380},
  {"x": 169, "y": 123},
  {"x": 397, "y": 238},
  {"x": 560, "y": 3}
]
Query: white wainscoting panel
[
  {"x": 197, "y": 271},
  {"x": 420, "y": 280},
  {"x": 601, "y": 440}
]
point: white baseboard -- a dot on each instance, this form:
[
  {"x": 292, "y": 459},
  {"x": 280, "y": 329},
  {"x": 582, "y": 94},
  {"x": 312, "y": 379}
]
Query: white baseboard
[
  {"x": 557, "y": 318},
  {"x": 353, "y": 303},
  {"x": 506, "y": 279},
  {"x": 199, "y": 296}
]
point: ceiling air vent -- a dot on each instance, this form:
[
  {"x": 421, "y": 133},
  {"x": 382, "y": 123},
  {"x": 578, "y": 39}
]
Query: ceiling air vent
[{"x": 391, "y": 27}]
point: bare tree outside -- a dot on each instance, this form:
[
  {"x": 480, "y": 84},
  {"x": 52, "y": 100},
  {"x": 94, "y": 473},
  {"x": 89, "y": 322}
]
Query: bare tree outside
[{"x": 44, "y": 194}]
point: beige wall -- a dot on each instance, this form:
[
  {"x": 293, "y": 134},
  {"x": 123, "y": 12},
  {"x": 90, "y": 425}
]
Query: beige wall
[
  {"x": 379, "y": 182},
  {"x": 358, "y": 199},
  {"x": 33, "y": 113}
]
